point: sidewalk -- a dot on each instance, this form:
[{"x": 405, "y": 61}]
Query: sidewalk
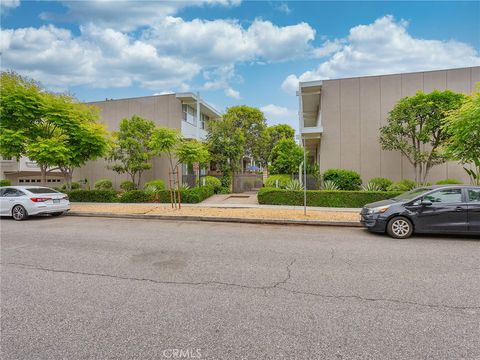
[{"x": 245, "y": 213}]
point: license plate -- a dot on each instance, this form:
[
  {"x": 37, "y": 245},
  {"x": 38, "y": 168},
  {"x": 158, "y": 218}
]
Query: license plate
[{"x": 56, "y": 201}]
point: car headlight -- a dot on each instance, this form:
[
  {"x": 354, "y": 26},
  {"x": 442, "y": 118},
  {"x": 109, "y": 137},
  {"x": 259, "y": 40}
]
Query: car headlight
[{"x": 378, "y": 210}]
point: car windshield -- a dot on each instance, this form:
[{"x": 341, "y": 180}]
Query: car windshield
[
  {"x": 41, "y": 190},
  {"x": 412, "y": 194}
]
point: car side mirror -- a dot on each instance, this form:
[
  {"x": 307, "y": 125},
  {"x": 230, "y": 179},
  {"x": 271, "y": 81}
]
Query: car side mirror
[{"x": 426, "y": 203}]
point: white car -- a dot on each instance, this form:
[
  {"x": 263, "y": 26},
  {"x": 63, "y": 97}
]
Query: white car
[{"x": 23, "y": 201}]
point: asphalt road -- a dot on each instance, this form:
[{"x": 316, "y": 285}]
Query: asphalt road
[{"x": 92, "y": 288}]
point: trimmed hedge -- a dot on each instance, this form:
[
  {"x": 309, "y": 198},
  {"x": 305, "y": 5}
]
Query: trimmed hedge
[
  {"x": 344, "y": 179},
  {"x": 103, "y": 184},
  {"x": 323, "y": 198},
  {"x": 189, "y": 196},
  {"x": 5, "y": 182},
  {"x": 93, "y": 195}
]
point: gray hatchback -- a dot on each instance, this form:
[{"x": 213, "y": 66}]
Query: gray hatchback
[{"x": 449, "y": 209}]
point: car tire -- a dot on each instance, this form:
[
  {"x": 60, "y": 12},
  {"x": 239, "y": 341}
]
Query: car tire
[
  {"x": 19, "y": 213},
  {"x": 58, "y": 213},
  {"x": 400, "y": 227}
]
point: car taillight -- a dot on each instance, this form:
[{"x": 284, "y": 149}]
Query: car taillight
[
  {"x": 39, "y": 199},
  {"x": 65, "y": 197}
]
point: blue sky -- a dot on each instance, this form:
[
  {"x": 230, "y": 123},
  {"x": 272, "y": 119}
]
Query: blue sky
[{"x": 232, "y": 51}]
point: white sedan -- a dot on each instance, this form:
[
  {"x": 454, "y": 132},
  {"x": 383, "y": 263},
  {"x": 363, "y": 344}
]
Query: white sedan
[{"x": 22, "y": 201}]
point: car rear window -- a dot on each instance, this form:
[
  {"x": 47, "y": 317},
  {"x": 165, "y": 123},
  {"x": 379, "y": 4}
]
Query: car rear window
[{"x": 42, "y": 191}]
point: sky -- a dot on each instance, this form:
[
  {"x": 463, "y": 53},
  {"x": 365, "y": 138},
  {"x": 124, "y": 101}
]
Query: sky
[{"x": 233, "y": 52}]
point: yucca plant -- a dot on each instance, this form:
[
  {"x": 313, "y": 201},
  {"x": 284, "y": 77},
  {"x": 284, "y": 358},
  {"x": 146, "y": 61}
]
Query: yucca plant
[
  {"x": 330, "y": 185},
  {"x": 294, "y": 185},
  {"x": 184, "y": 187},
  {"x": 371, "y": 186}
]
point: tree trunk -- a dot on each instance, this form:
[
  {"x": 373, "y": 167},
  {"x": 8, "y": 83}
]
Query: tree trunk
[
  {"x": 139, "y": 178},
  {"x": 43, "y": 172}
]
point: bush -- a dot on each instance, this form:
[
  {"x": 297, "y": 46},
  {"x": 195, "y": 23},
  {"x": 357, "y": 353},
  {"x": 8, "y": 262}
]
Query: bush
[
  {"x": 5, "y": 182},
  {"x": 103, "y": 184},
  {"x": 93, "y": 195},
  {"x": 344, "y": 179},
  {"x": 127, "y": 185},
  {"x": 213, "y": 182},
  {"x": 196, "y": 194},
  {"x": 224, "y": 190},
  {"x": 154, "y": 185},
  {"x": 449, "y": 182},
  {"x": 403, "y": 185},
  {"x": 74, "y": 186},
  {"x": 136, "y": 196},
  {"x": 282, "y": 179},
  {"x": 294, "y": 185},
  {"x": 322, "y": 198},
  {"x": 381, "y": 183}
]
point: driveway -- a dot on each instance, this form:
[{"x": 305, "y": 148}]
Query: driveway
[{"x": 95, "y": 288}]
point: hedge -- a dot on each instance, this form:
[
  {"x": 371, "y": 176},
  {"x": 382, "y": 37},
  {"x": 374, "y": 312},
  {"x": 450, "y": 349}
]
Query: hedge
[
  {"x": 322, "y": 198},
  {"x": 93, "y": 195},
  {"x": 189, "y": 196}
]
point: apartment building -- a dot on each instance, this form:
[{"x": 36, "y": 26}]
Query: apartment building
[
  {"x": 340, "y": 120},
  {"x": 182, "y": 111}
]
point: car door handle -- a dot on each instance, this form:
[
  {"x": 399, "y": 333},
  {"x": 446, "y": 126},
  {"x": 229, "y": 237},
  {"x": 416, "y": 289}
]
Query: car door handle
[{"x": 459, "y": 209}]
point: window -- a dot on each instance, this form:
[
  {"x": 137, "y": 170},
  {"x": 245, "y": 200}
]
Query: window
[
  {"x": 42, "y": 190},
  {"x": 203, "y": 119},
  {"x": 474, "y": 195},
  {"x": 9, "y": 192},
  {"x": 446, "y": 196}
]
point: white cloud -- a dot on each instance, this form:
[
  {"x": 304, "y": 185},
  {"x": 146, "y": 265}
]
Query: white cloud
[
  {"x": 283, "y": 7},
  {"x": 385, "y": 47},
  {"x": 166, "y": 56},
  {"x": 5, "y": 5},
  {"x": 126, "y": 15},
  {"x": 280, "y": 115}
]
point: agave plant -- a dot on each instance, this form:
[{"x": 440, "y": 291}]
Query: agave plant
[
  {"x": 371, "y": 186},
  {"x": 184, "y": 187},
  {"x": 294, "y": 185},
  {"x": 329, "y": 185}
]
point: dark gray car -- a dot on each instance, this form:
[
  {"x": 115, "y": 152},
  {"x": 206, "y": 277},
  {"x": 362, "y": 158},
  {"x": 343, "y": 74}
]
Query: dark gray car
[{"x": 452, "y": 209}]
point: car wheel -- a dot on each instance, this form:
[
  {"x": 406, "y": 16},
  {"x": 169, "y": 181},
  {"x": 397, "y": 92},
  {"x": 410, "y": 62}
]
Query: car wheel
[
  {"x": 57, "y": 213},
  {"x": 400, "y": 228},
  {"x": 19, "y": 213}
]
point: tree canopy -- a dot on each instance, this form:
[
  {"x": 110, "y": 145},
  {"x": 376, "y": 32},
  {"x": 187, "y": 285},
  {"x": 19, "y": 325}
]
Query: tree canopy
[
  {"x": 463, "y": 129},
  {"x": 54, "y": 130},
  {"x": 286, "y": 157},
  {"x": 415, "y": 129}
]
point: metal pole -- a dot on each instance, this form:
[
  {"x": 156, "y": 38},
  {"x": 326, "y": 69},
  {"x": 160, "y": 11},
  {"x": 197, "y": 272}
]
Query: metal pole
[
  {"x": 198, "y": 116},
  {"x": 304, "y": 177}
]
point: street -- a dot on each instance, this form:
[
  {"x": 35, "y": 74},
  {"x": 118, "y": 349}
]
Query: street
[{"x": 98, "y": 288}]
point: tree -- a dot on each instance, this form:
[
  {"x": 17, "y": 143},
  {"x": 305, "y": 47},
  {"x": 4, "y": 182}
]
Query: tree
[
  {"x": 463, "y": 128},
  {"x": 276, "y": 133},
  {"x": 50, "y": 129},
  {"x": 226, "y": 145},
  {"x": 286, "y": 157},
  {"x": 131, "y": 151},
  {"x": 415, "y": 129},
  {"x": 192, "y": 151},
  {"x": 253, "y": 125}
]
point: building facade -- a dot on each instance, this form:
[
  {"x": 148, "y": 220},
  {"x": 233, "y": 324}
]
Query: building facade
[
  {"x": 340, "y": 120},
  {"x": 176, "y": 111}
]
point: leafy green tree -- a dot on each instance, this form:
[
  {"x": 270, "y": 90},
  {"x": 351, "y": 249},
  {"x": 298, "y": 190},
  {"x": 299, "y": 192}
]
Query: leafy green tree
[
  {"x": 192, "y": 151},
  {"x": 226, "y": 145},
  {"x": 164, "y": 141},
  {"x": 463, "y": 128},
  {"x": 51, "y": 129},
  {"x": 286, "y": 157},
  {"x": 415, "y": 129},
  {"x": 253, "y": 125},
  {"x": 131, "y": 151},
  {"x": 275, "y": 133}
]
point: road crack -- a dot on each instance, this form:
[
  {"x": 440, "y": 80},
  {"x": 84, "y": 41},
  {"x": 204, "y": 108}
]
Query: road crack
[{"x": 274, "y": 286}]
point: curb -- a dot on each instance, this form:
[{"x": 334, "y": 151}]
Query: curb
[{"x": 219, "y": 219}]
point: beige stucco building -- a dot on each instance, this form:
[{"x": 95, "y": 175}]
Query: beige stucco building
[
  {"x": 340, "y": 120},
  {"x": 177, "y": 111}
]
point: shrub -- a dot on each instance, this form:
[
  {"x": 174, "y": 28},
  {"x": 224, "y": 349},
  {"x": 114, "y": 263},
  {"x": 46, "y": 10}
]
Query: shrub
[
  {"x": 93, "y": 195},
  {"x": 73, "y": 186},
  {"x": 329, "y": 185},
  {"x": 281, "y": 179},
  {"x": 294, "y": 185},
  {"x": 344, "y": 179},
  {"x": 371, "y": 187},
  {"x": 448, "y": 182},
  {"x": 213, "y": 182},
  {"x": 154, "y": 185},
  {"x": 403, "y": 185},
  {"x": 322, "y": 198},
  {"x": 5, "y": 182},
  {"x": 224, "y": 190},
  {"x": 136, "y": 196},
  {"x": 382, "y": 183},
  {"x": 196, "y": 194},
  {"x": 103, "y": 184},
  {"x": 127, "y": 185}
]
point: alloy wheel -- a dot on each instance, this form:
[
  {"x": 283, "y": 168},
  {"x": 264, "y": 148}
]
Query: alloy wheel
[
  {"x": 400, "y": 228},
  {"x": 18, "y": 212}
]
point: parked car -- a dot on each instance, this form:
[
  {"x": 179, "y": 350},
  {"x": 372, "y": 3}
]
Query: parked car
[
  {"x": 23, "y": 201},
  {"x": 448, "y": 209}
]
